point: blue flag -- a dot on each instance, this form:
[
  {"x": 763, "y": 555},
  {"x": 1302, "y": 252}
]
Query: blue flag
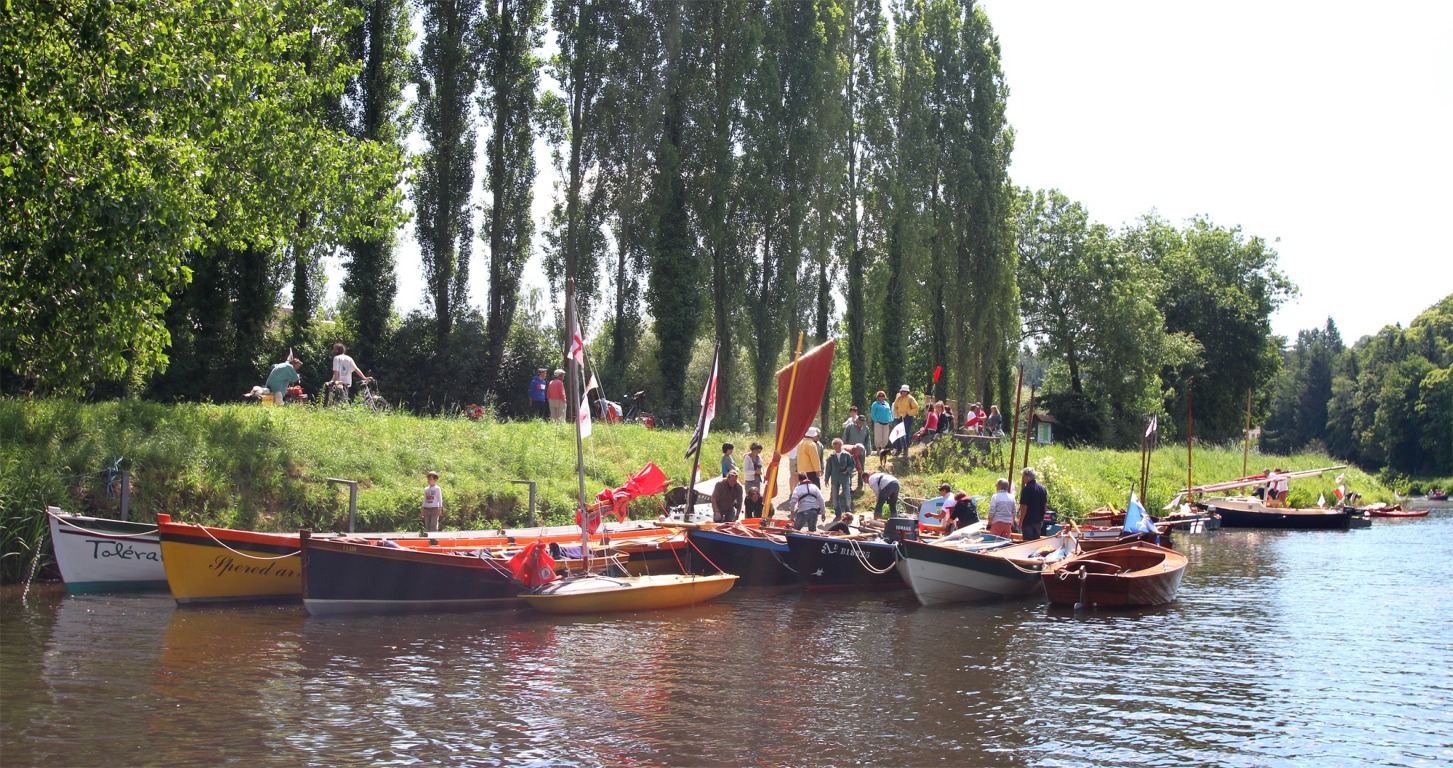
[{"x": 1136, "y": 519}]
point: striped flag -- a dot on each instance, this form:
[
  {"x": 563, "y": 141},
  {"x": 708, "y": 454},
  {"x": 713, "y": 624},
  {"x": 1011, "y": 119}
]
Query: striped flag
[{"x": 708, "y": 407}]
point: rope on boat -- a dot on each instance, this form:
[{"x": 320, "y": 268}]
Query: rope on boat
[
  {"x": 863, "y": 553},
  {"x": 104, "y": 534},
  {"x": 208, "y": 531}
]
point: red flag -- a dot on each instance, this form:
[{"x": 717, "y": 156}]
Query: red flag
[
  {"x": 708, "y": 407},
  {"x": 936, "y": 373},
  {"x": 589, "y": 519},
  {"x": 648, "y": 482},
  {"x": 533, "y": 566}
]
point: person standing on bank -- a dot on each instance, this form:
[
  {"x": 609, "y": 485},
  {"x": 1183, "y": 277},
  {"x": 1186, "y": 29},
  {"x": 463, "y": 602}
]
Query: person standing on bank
[
  {"x": 752, "y": 466},
  {"x": 839, "y": 467},
  {"x": 1033, "y": 500},
  {"x": 433, "y": 506},
  {"x": 344, "y": 368},
  {"x": 539, "y": 403},
  {"x": 809, "y": 457},
  {"x": 882, "y": 414},
  {"x": 904, "y": 409},
  {"x": 556, "y": 395}
]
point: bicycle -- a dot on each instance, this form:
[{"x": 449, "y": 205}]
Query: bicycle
[{"x": 334, "y": 393}]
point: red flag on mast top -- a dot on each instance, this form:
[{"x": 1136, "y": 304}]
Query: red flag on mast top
[
  {"x": 938, "y": 371},
  {"x": 577, "y": 342}
]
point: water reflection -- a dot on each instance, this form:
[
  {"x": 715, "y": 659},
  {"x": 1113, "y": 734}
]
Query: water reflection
[{"x": 1298, "y": 648}]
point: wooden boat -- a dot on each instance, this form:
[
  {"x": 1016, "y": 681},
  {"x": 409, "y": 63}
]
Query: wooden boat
[
  {"x": 759, "y": 558},
  {"x": 1093, "y": 537},
  {"x": 1128, "y": 575},
  {"x": 205, "y": 564},
  {"x": 354, "y": 575},
  {"x": 1250, "y": 512},
  {"x": 941, "y": 573},
  {"x": 606, "y": 594},
  {"x": 1382, "y": 509},
  {"x": 589, "y": 593},
  {"x": 96, "y": 554},
  {"x": 843, "y": 563}
]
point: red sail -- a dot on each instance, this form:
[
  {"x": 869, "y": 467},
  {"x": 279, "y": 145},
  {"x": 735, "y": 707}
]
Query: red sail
[
  {"x": 533, "y": 566},
  {"x": 800, "y": 388}
]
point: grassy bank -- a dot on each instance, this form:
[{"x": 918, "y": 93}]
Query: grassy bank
[{"x": 248, "y": 466}]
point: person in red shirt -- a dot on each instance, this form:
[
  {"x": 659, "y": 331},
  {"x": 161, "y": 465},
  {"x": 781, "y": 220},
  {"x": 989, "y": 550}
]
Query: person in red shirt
[{"x": 556, "y": 395}]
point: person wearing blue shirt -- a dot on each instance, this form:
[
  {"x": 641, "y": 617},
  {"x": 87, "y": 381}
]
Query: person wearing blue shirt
[
  {"x": 539, "y": 407},
  {"x": 1033, "y": 501},
  {"x": 282, "y": 375}
]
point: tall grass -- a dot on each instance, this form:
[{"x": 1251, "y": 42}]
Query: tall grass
[{"x": 248, "y": 466}]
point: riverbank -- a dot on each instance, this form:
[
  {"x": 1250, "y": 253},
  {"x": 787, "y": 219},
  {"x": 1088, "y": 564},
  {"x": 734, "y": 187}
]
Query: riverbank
[{"x": 266, "y": 468}]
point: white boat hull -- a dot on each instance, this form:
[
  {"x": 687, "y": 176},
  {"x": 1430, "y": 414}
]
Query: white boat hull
[{"x": 100, "y": 555}]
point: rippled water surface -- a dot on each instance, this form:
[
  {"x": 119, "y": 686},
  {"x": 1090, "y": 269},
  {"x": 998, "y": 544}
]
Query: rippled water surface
[{"x": 1284, "y": 649}]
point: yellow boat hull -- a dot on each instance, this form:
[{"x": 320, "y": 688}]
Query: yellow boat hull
[
  {"x": 205, "y": 565},
  {"x": 639, "y": 593}
]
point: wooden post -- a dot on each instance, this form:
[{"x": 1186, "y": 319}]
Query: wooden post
[{"x": 1014, "y": 430}]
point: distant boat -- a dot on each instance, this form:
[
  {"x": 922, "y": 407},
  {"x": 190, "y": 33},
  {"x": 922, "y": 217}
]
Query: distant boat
[
  {"x": 1381, "y": 509},
  {"x": 96, "y": 554},
  {"x": 1251, "y": 512},
  {"x": 1128, "y": 575},
  {"x": 941, "y": 573}
]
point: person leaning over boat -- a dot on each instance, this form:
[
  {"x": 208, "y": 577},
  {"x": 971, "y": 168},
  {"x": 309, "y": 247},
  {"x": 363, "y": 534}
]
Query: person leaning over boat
[
  {"x": 886, "y": 488},
  {"x": 1033, "y": 500},
  {"x": 726, "y": 499},
  {"x": 806, "y": 504},
  {"x": 1001, "y": 509}
]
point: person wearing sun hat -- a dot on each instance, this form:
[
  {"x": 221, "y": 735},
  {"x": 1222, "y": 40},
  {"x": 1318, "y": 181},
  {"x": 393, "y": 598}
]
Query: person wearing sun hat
[
  {"x": 809, "y": 457},
  {"x": 882, "y": 413},
  {"x": 557, "y": 396},
  {"x": 905, "y": 408}
]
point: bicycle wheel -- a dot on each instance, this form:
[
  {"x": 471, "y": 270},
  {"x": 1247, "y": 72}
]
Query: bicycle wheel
[{"x": 377, "y": 404}]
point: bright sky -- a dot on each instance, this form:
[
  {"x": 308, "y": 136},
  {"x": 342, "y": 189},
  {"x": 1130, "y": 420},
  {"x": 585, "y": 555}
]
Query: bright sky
[{"x": 1323, "y": 128}]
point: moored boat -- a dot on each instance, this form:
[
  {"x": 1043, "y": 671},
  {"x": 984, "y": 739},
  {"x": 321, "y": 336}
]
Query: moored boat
[
  {"x": 940, "y": 573},
  {"x": 757, "y": 557},
  {"x": 1128, "y": 575},
  {"x": 96, "y": 554},
  {"x": 209, "y": 565},
  {"x": 1382, "y": 509},
  {"x": 1250, "y": 512},
  {"x": 827, "y": 562},
  {"x": 606, "y": 594}
]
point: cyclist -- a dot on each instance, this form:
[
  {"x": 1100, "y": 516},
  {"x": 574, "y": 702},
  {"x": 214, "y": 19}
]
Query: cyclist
[{"x": 344, "y": 368}]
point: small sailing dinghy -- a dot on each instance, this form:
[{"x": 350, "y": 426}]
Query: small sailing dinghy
[
  {"x": 1129, "y": 575},
  {"x": 590, "y": 593}
]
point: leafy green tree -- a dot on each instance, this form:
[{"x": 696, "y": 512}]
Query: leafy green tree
[
  {"x": 447, "y": 77},
  {"x": 509, "y": 33},
  {"x": 374, "y": 105}
]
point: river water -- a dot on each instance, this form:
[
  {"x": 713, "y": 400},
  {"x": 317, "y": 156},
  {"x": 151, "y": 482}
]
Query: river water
[{"x": 1284, "y": 649}]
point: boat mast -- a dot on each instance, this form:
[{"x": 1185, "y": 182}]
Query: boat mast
[
  {"x": 1246, "y": 441},
  {"x": 1030, "y": 432},
  {"x": 781, "y": 423},
  {"x": 1191, "y": 431},
  {"x": 573, "y": 403},
  {"x": 1014, "y": 430}
]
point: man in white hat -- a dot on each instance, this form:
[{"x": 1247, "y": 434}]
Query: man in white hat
[
  {"x": 905, "y": 408},
  {"x": 809, "y": 457}
]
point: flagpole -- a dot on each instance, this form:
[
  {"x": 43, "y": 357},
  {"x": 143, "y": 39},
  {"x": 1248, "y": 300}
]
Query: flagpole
[
  {"x": 574, "y": 406},
  {"x": 1014, "y": 430},
  {"x": 781, "y": 421},
  {"x": 1030, "y": 432},
  {"x": 1246, "y": 442},
  {"x": 1190, "y": 431},
  {"x": 701, "y": 438},
  {"x": 1143, "y": 463}
]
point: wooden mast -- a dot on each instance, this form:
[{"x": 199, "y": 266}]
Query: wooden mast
[
  {"x": 1013, "y": 431},
  {"x": 1190, "y": 430},
  {"x": 1030, "y": 432},
  {"x": 1246, "y": 441},
  {"x": 781, "y": 422},
  {"x": 573, "y": 404}
]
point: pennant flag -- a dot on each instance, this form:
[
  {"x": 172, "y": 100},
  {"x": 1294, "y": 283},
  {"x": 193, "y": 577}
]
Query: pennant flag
[
  {"x": 1341, "y": 492},
  {"x": 1136, "y": 518},
  {"x": 584, "y": 418},
  {"x": 937, "y": 371},
  {"x": 1150, "y": 428},
  {"x": 533, "y": 566},
  {"x": 577, "y": 343},
  {"x": 708, "y": 408},
  {"x": 898, "y": 432},
  {"x": 1321, "y": 500},
  {"x": 592, "y": 384}
]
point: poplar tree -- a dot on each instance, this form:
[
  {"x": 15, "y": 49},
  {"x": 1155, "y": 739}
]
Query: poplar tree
[
  {"x": 446, "y": 78},
  {"x": 508, "y": 35}
]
